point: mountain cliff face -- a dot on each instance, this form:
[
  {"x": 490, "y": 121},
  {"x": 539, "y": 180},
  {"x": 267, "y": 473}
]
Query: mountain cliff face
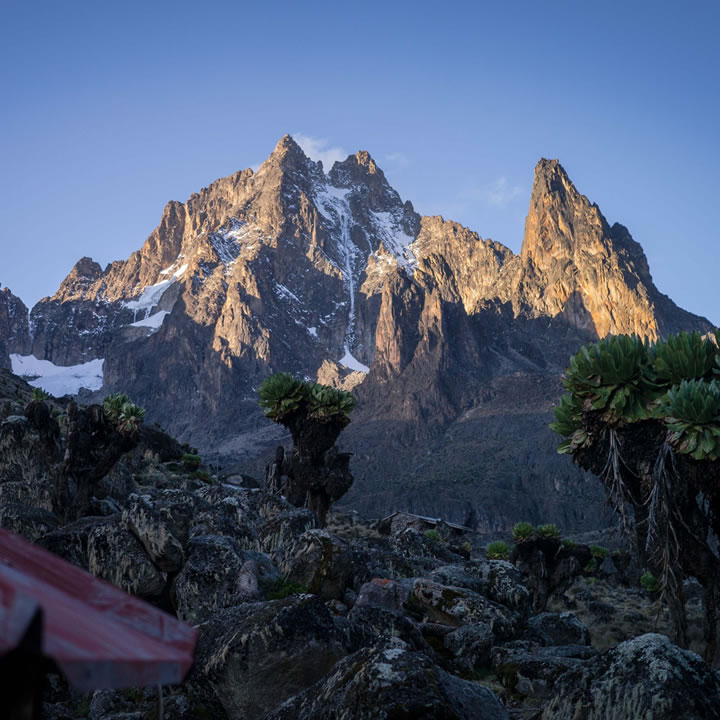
[
  {"x": 454, "y": 344},
  {"x": 14, "y": 329}
]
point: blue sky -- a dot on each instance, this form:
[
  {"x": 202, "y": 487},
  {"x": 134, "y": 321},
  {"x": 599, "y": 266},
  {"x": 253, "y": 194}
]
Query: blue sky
[{"x": 111, "y": 109}]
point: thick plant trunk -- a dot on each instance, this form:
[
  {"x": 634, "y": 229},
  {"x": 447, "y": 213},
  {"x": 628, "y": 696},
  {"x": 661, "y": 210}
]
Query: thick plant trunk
[{"x": 314, "y": 474}]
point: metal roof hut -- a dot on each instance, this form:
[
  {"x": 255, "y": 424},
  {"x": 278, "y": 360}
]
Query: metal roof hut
[
  {"x": 399, "y": 520},
  {"x": 55, "y": 616}
]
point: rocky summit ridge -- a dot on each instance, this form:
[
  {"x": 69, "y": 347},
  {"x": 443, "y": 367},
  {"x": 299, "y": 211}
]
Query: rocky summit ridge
[{"x": 453, "y": 344}]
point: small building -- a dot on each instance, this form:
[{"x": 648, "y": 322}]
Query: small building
[{"x": 400, "y": 520}]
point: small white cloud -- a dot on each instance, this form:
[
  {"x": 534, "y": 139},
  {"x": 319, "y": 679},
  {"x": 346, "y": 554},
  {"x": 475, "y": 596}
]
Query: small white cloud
[
  {"x": 398, "y": 158},
  {"x": 318, "y": 149},
  {"x": 255, "y": 167},
  {"x": 500, "y": 193}
]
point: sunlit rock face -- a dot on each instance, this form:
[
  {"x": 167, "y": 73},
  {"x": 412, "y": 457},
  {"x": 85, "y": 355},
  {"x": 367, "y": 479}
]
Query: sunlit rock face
[
  {"x": 452, "y": 343},
  {"x": 574, "y": 263}
]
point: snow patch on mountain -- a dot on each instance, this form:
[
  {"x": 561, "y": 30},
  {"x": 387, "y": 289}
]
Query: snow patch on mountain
[
  {"x": 228, "y": 243},
  {"x": 150, "y": 297},
  {"x": 153, "y": 321},
  {"x": 333, "y": 205},
  {"x": 176, "y": 273},
  {"x": 353, "y": 363},
  {"x": 59, "y": 380},
  {"x": 286, "y": 294},
  {"x": 389, "y": 231}
]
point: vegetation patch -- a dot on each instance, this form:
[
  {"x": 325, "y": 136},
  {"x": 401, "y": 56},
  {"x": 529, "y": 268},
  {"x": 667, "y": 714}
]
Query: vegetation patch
[
  {"x": 523, "y": 531},
  {"x": 281, "y": 588},
  {"x": 124, "y": 414},
  {"x": 548, "y": 531},
  {"x": 191, "y": 461},
  {"x": 498, "y": 550}
]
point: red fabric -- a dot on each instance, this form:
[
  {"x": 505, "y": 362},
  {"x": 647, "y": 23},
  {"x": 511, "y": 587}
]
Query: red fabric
[{"x": 99, "y": 636}]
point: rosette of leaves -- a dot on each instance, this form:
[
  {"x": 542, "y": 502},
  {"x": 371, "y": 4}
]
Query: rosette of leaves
[
  {"x": 282, "y": 395},
  {"x": 692, "y": 416},
  {"x": 613, "y": 377},
  {"x": 522, "y": 532},
  {"x": 683, "y": 356},
  {"x": 113, "y": 405},
  {"x": 569, "y": 423},
  {"x": 39, "y": 395},
  {"x": 498, "y": 550},
  {"x": 130, "y": 418},
  {"x": 650, "y": 582},
  {"x": 548, "y": 531},
  {"x": 326, "y": 403}
]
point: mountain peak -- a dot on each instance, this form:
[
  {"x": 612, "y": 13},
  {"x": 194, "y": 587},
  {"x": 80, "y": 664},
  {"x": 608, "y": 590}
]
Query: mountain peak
[
  {"x": 364, "y": 159},
  {"x": 559, "y": 216},
  {"x": 85, "y": 272},
  {"x": 357, "y": 168},
  {"x": 287, "y": 154},
  {"x": 574, "y": 263},
  {"x": 550, "y": 177}
]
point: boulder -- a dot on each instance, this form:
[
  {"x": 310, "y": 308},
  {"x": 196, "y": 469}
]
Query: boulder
[
  {"x": 529, "y": 670},
  {"x": 413, "y": 544},
  {"x": 70, "y": 542},
  {"x": 117, "y": 556},
  {"x": 470, "y": 646},
  {"x": 552, "y": 628},
  {"x": 210, "y": 579},
  {"x": 255, "y": 656},
  {"x": 108, "y": 702},
  {"x": 646, "y": 677},
  {"x": 259, "y": 505},
  {"x": 141, "y": 704},
  {"x": 179, "y": 509},
  {"x": 458, "y": 576},
  {"x": 319, "y": 562},
  {"x": 374, "y": 557},
  {"x": 38, "y": 493},
  {"x": 458, "y": 606},
  {"x": 502, "y": 582},
  {"x": 384, "y": 623},
  {"x": 389, "y": 682},
  {"x": 30, "y": 522},
  {"x": 144, "y": 521},
  {"x": 276, "y": 532},
  {"x": 384, "y": 593},
  {"x": 25, "y": 460},
  {"x": 118, "y": 484}
]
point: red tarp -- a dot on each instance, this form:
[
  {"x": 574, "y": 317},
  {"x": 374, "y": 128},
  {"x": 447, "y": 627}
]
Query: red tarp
[{"x": 99, "y": 636}]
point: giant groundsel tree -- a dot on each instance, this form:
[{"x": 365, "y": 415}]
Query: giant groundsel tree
[
  {"x": 314, "y": 474},
  {"x": 645, "y": 418}
]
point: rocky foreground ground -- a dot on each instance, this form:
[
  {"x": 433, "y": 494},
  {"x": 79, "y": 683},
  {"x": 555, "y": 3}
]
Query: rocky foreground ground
[{"x": 356, "y": 620}]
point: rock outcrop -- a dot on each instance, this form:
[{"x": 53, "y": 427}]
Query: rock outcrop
[
  {"x": 14, "y": 327},
  {"x": 387, "y": 682},
  {"x": 647, "y": 677},
  {"x": 344, "y": 622},
  {"x": 453, "y": 344}
]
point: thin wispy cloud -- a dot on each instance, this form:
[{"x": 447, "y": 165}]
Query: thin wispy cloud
[
  {"x": 320, "y": 149},
  {"x": 501, "y": 192},
  {"x": 397, "y": 158}
]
